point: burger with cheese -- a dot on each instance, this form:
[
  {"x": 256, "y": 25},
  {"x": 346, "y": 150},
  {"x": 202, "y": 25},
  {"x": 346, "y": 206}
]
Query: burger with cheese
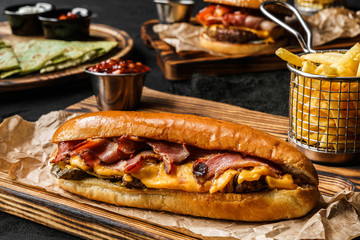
[{"x": 238, "y": 27}]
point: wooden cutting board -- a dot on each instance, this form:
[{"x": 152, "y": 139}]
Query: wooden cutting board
[
  {"x": 181, "y": 66},
  {"x": 91, "y": 222}
]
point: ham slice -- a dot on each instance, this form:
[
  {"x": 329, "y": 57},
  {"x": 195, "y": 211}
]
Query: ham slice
[
  {"x": 171, "y": 153},
  {"x": 64, "y": 150},
  {"x": 134, "y": 164},
  {"x": 90, "y": 159},
  {"x": 130, "y": 145},
  {"x": 216, "y": 164},
  {"x": 104, "y": 149}
]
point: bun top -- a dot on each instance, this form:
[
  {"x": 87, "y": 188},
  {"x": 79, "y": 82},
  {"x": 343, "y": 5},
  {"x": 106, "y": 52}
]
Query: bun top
[
  {"x": 240, "y": 3},
  {"x": 202, "y": 132}
]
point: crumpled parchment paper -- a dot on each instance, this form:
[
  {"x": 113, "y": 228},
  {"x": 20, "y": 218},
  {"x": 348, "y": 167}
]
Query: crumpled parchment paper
[
  {"x": 182, "y": 36},
  {"x": 326, "y": 26},
  {"x": 25, "y": 148},
  {"x": 334, "y": 23}
]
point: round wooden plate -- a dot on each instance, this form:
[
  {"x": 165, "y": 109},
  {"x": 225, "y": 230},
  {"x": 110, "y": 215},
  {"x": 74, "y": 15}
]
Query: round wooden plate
[
  {"x": 330, "y": 184},
  {"x": 98, "y": 32}
]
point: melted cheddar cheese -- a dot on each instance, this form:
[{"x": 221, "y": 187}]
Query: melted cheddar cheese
[
  {"x": 152, "y": 174},
  {"x": 255, "y": 174},
  {"x": 286, "y": 182}
]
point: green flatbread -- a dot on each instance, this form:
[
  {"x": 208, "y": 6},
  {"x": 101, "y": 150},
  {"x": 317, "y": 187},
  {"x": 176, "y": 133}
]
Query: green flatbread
[
  {"x": 50, "y": 55},
  {"x": 33, "y": 54},
  {"x": 8, "y": 60},
  {"x": 9, "y": 64},
  {"x": 77, "y": 52},
  {"x": 3, "y": 44},
  {"x": 9, "y": 73}
]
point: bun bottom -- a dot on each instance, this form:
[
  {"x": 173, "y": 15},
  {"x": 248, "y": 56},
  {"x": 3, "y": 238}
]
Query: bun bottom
[
  {"x": 245, "y": 49},
  {"x": 259, "y": 206}
]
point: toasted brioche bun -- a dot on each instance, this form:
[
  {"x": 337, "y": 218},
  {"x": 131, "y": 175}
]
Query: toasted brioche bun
[
  {"x": 239, "y": 48},
  {"x": 259, "y": 206},
  {"x": 206, "y": 133}
]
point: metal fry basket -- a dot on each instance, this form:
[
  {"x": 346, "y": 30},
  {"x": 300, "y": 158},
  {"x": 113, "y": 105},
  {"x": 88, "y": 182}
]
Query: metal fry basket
[
  {"x": 324, "y": 116},
  {"x": 323, "y": 111}
]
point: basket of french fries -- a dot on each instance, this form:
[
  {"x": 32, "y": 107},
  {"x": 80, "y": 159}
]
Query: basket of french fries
[
  {"x": 324, "y": 99},
  {"x": 324, "y": 103}
]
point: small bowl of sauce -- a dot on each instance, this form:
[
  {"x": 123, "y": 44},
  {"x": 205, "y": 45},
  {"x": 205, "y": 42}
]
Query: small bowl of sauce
[
  {"x": 66, "y": 24},
  {"x": 23, "y": 18},
  {"x": 117, "y": 83}
]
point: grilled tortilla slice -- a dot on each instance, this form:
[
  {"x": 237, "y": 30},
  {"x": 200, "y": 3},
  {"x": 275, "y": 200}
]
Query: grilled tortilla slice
[
  {"x": 9, "y": 64},
  {"x": 33, "y": 54},
  {"x": 77, "y": 53},
  {"x": 3, "y": 44},
  {"x": 51, "y": 55},
  {"x": 8, "y": 60}
]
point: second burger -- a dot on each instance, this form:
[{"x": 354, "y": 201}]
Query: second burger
[{"x": 238, "y": 27}]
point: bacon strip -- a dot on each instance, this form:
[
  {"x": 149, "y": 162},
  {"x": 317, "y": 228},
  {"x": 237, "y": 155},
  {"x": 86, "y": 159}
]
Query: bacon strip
[
  {"x": 90, "y": 159},
  {"x": 130, "y": 145},
  {"x": 216, "y": 164},
  {"x": 103, "y": 149},
  {"x": 134, "y": 164},
  {"x": 219, "y": 14},
  {"x": 64, "y": 150},
  {"x": 171, "y": 153}
]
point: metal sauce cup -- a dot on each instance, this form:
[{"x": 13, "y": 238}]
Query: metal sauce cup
[
  {"x": 174, "y": 11},
  {"x": 117, "y": 91}
]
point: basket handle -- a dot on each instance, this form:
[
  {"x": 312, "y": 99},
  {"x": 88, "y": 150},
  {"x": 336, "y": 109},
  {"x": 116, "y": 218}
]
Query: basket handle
[{"x": 306, "y": 46}]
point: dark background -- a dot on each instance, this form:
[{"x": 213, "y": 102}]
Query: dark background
[{"x": 266, "y": 92}]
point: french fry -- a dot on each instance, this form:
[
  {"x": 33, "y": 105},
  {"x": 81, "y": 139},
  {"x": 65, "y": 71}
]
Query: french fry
[
  {"x": 327, "y": 58},
  {"x": 345, "y": 71},
  {"x": 289, "y": 57},
  {"x": 348, "y": 61},
  {"x": 326, "y": 70},
  {"x": 308, "y": 67},
  {"x": 358, "y": 68}
]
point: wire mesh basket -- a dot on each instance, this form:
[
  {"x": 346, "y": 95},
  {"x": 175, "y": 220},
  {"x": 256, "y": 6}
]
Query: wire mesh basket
[
  {"x": 324, "y": 111},
  {"x": 324, "y": 116}
]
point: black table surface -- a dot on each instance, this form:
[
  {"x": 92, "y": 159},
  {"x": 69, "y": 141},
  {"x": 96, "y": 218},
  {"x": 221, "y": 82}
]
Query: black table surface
[{"x": 266, "y": 92}]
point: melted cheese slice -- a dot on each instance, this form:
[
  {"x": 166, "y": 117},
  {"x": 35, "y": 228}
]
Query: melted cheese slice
[
  {"x": 153, "y": 175},
  {"x": 285, "y": 182},
  {"x": 255, "y": 174},
  {"x": 221, "y": 182}
]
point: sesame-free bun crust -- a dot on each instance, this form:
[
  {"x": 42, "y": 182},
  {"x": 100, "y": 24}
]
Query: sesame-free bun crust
[
  {"x": 206, "y": 133},
  {"x": 259, "y": 206}
]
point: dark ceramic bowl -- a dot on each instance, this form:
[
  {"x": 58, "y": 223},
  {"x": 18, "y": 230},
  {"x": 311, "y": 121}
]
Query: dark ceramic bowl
[
  {"x": 25, "y": 24},
  {"x": 68, "y": 29}
]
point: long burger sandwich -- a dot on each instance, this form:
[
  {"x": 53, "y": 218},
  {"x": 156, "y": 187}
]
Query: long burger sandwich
[
  {"x": 183, "y": 164},
  {"x": 238, "y": 27}
]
